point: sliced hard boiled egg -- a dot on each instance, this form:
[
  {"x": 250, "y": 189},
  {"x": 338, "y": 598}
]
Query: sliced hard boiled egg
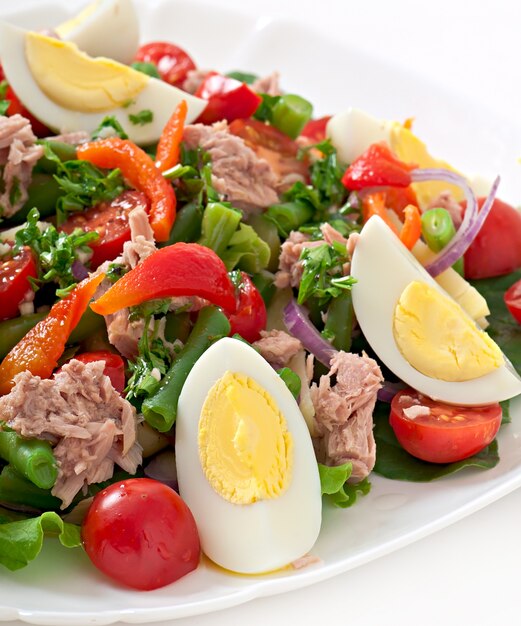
[
  {"x": 418, "y": 331},
  {"x": 245, "y": 462},
  {"x": 107, "y": 28},
  {"x": 69, "y": 91}
]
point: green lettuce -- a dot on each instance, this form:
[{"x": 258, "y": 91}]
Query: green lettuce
[{"x": 334, "y": 485}]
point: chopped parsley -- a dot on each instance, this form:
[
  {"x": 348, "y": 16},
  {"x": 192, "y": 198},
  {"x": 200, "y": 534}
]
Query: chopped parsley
[
  {"x": 4, "y": 103},
  {"x": 109, "y": 127},
  {"x": 142, "y": 118},
  {"x": 150, "y": 69}
]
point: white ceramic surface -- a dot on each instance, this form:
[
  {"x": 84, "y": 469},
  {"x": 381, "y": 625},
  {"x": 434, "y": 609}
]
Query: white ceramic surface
[{"x": 60, "y": 587}]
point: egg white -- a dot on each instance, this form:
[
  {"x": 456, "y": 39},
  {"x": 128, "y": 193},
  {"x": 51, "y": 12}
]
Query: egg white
[
  {"x": 383, "y": 268},
  {"x": 268, "y": 534},
  {"x": 157, "y": 96}
]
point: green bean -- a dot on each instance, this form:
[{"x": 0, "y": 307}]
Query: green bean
[
  {"x": 339, "y": 323},
  {"x": 438, "y": 230},
  {"x": 160, "y": 410},
  {"x": 264, "y": 283},
  {"x": 89, "y": 323},
  {"x": 33, "y": 458},
  {"x": 15, "y": 489},
  {"x": 290, "y": 114},
  {"x": 64, "y": 152},
  {"x": 289, "y": 216},
  {"x": 244, "y": 77},
  {"x": 268, "y": 232},
  {"x": 177, "y": 326},
  {"x": 187, "y": 226},
  {"x": 219, "y": 224},
  {"x": 11, "y": 331},
  {"x": 43, "y": 193},
  {"x": 292, "y": 380}
]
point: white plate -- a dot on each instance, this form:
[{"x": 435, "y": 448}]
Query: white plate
[{"x": 60, "y": 587}]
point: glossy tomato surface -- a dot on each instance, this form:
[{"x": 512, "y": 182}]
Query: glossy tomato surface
[
  {"x": 250, "y": 317},
  {"x": 140, "y": 533},
  {"x": 172, "y": 62},
  {"x": 228, "y": 99},
  {"x": 315, "y": 130},
  {"x": 496, "y": 250},
  {"x": 16, "y": 107},
  {"x": 442, "y": 433},
  {"x": 513, "y": 300},
  {"x": 110, "y": 220},
  {"x": 14, "y": 281},
  {"x": 114, "y": 366}
]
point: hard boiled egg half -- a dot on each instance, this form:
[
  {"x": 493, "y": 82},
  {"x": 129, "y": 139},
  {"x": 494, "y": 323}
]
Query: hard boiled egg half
[
  {"x": 70, "y": 91},
  {"x": 419, "y": 332},
  {"x": 245, "y": 462}
]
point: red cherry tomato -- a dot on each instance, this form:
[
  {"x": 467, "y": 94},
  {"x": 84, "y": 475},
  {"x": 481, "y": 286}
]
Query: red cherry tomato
[
  {"x": 496, "y": 250},
  {"x": 114, "y": 366},
  {"x": 110, "y": 220},
  {"x": 140, "y": 533},
  {"x": 228, "y": 99},
  {"x": 315, "y": 130},
  {"x": 15, "y": 106},
  {"x": 172, "y": 62},
  {"x": 447, "y": 433},
  {"x": 14, "y": 281},
  {"x": 513, "y": 300},
  {"x": 250, "y": 317}
]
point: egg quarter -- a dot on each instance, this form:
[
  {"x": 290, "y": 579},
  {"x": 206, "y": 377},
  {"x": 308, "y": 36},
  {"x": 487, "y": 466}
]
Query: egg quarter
[{"x": 275, "y": 529}]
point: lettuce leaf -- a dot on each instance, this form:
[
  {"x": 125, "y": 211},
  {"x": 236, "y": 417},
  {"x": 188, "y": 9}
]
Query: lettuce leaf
[{"x": 334, "y": 485}]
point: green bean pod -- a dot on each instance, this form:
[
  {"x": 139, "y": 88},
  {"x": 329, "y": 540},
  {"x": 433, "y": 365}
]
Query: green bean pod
[
  {"x": 33, "y": 458},
  {"x": 15, "y": 489},
  {"x": 438, "y": 230},
  {"x": 290, "y": 114},
  {"x": 268, "y": 232},
  {"x": 160, "y": 410},
  {"x": 43, "y": 193},
  {"x": 339, "y": 324},
  {"x": 187, "y": 225},
  {"x": 289, "y": 216},
  {"x": 292, "y": 380}
]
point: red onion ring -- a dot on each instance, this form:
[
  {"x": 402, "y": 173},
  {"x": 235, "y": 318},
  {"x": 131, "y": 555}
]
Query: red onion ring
[
  {"x": 299, "y": 325},
  {"x": 472, "y": 221},
  {"x": 388, "y": 390}
]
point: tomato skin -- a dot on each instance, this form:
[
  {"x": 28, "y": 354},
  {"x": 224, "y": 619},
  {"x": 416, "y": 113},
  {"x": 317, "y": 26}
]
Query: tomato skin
[
  {"x": 110, "y": 220},
  {"x": 15, "y": 106},
  {"x": 250, "y": 317},
  {"x": 449, "y": 433},
  {"x": 114, "y": 366},
  {"x": 140, "y": 533},
  {"x": 228, "y": 99},
  {"x": 496, "y": 250},
  {"x": 315, "y": 130},
  {"x": 14, "y": 282},
  {"x": 377, "y": 167},
  {"x": 172, "y": 62},
  {"x": 512, "y": 299}
]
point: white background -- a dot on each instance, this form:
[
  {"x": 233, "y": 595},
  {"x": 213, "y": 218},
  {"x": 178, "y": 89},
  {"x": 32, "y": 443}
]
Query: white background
[{"x": 469, "y": 572}]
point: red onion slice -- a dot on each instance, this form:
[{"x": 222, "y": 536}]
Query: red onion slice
[
  {"x": 79, "y": 271},
  {"x": 299, "y": 325},
  {"x": 388, "y": 390},
  {"x": 472, "y": 221}
]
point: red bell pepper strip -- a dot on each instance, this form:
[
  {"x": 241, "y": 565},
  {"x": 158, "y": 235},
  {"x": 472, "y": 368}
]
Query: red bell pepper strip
[
  {"x": 315, "y": 130},
  {"x": 228, "y": 99},
  {"x": 140, "y": 171},
  {"x": 167, "y": 154},
  {"x": 183, "y": 269},
  {"x": 377, "y": 167},
  {"x": 250, "y": 317},
  {"x": 39, "y": 350}
]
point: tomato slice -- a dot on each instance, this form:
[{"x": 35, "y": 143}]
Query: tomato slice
[
  {"x": 315, "y": 130},
  {"x": 14, "y": 281},
  {"x": 15, "y": 106},
  {"x": 250, "y": 317},
  {"x": 271, "y": 144},
  {"x": 172, "y": 62},
  {"x": 110, "y": 220},
  {"x": 442, "y": 433},
  {"x": 140, "y": 533},
  {"x": 114, "y": 366},
  {"x": 513, "y": 300},
  {"x": 228, "y": 99}
]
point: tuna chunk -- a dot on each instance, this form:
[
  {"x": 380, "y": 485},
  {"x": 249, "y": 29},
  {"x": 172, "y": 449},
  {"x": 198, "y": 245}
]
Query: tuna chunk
[
  {"x": 277, "y": 347},
  {"x": 447, "y": 201},
  {"x": 18, "y": 154},
  {"x": 238, "y": 175},
  {"x": 344, "y": 401},
  {"x": 268, "y": 84},
  {"x": 90, "y": 425},
  {"x": 142, "y": 243}
]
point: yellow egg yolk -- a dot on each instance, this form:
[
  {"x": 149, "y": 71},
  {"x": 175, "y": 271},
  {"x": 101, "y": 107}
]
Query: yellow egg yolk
[
  {"x": 78, "y": 82},
  {"x": 438, "y": 339},
  {"x": 245, "y": 449}
]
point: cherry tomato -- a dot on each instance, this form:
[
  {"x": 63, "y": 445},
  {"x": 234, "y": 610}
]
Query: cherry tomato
[
  {"x": 110, "y": 220},
  {"x": 140, "y": 533},
  {"x": 250, "y": 317},
  {"x": 15, "y": 106},
  {"x": 496, "y": 250},
  {"x": 447, "y": 433},
  {"x": 228, "y": 99},
  {"x": 114, "y": 366},
  {"x": 271, "y": 144},
  {"x": 513, "y": 300},
  {"x": 397, "y": 198},
  {"x": 172, "y": 62},
  {"x": 14, "y": 281},
  {"x": 315, "y": 130}
]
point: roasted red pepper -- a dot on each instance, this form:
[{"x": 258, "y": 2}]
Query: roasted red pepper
[
  {"x": 183, "y": 269},
  {"x": 315, "y": 130},
  {"x": 250, "y": 317},
  {"x": 168, "y": 148},
  {"x": 140, "y": 171},
  {"x": 228, "y": 99},
  {"x": 377, "y": 167},
  {"x": 39, "y": 350}
]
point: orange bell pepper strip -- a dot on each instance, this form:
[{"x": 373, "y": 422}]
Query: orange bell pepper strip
[
  {"x": 140, "y": 171},
  {"x": 374, "y": 204},
  {"x": 412, "y": 226},
  {"x": 183, "y": 269},
  {"x": 39, "y": 350},
  {"x": 167, "y": 154}
]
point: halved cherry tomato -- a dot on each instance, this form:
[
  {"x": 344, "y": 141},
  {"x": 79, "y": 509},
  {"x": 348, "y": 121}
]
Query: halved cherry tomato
[
  {"x": 15, "y": 106},
  {"x": 172, "y": 62},
  {"x": 250, "y": 317},
  {"x": 496, "y": 250},
  {"x": 445, "y": 433},
  {"x": 114, "y": 366},
  {"x": 315, "y": 130},
  {"x": 397, "y": 198},
  {"x": 271, "y": 144},
  {"x": 228, "y": 99},
  {"x": 140, "y": 533},
  {"x": 14, "y": 281},
  {"x": 110, "y": 220},
  {"x": 513, "y": 300}
]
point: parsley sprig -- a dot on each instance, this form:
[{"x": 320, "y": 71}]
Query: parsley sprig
[{"x": 4, "y": 103}]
